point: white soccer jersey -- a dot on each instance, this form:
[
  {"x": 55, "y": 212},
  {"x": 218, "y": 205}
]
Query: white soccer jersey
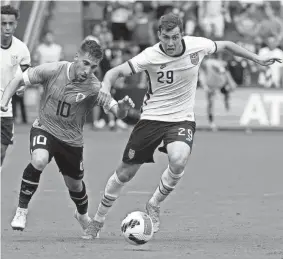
[
  {"x": 11, "y": 59},
  {"x": 172, "y": 80}
]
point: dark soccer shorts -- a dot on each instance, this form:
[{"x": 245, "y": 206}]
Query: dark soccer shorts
[
  {"x": 7, "y": 130},
  {"x": 147, "y": 135},
  {"x": 68, "y": 158}
]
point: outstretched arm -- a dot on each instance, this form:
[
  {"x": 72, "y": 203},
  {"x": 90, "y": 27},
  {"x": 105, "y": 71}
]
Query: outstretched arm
[
  {"x": 237, "y": 50},
  {"x": 110, "y": 78},
  {"x": 35, "y": 75},
  {"x": 10, "y": 90},
  {"x": 135, "y": 65}
]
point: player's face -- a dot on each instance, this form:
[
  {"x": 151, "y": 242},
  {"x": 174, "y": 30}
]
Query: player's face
[
  {"x": 8, "y": 25},
  {"x": 85, "y": 65},
  {"x": 171, "y": 41}
]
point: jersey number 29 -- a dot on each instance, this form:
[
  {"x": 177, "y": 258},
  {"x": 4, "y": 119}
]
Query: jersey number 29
[
  {"x": 165, "y": 77},
  {"x": 63, "y": 109}
]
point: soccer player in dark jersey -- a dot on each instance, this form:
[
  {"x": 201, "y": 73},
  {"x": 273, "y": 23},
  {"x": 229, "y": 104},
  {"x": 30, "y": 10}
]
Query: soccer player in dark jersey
[{"x": 70, "y": 92}]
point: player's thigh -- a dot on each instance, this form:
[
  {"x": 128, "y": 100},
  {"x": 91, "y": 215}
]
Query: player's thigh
[
  {"x": 7, "y": 130},
  {"x": 179, "y": 138},
  {"x": 41, "y": 145},
  {"x": 69, "y": 160},
  {"x": 178, "y": 141},
  {"x": 145, "y": 138}
]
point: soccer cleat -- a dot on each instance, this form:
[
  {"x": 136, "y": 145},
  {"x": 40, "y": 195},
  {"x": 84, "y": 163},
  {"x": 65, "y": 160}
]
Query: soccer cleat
[
  {"x": 154, "y": 212},
  {"x": 84, "y": 220},
  {"x": 93, "y": 229},
  {"x": 20, "y": 219}
]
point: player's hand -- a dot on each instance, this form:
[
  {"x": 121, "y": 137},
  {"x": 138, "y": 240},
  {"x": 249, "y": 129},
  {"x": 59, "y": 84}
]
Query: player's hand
[
  {"x": 267, "y": 61},
  {"x": 4, "y": 108},
  {"x": 126, "y": 103},
  {"x": 104, "y": 96},
  {"x": 20, "y": 92}
]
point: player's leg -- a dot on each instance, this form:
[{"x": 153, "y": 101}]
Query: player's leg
[
  {"x": 226, "y": 94},
  {"x": 178, "y": 144},
  {"x": 70, "y": 162},
  {"x": 210, "y": 95},
  {"x": 146, "y": 136},
  {"x": 7, "y": 134},
  {"x": 40, "y": 147}
]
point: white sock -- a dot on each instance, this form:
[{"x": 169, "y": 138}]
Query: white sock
[
  {"x": 167, "y": 184},
  {"x": 111, "y": 193}
]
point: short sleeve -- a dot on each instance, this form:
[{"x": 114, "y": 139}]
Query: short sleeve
[
  {"x": 25, "y": 61},
  {"x": 208, "y": 46},
  {"x": 139, "y": 63},
  {"x": 40, "y": 74}
]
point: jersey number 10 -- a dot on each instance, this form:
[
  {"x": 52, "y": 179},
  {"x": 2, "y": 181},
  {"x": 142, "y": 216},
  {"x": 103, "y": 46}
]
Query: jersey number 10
[{"x": 63, "y": 109}]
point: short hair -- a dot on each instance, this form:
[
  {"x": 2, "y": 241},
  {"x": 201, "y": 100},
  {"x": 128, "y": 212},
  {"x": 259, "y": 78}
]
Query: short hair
[
  {"x": 170, "y": 21},
  {"x": 92, "y": 48},
  {"x": 10, "y": 10}
]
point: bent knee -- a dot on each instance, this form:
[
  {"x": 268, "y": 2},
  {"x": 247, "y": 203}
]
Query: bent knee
[
  {"x": 126, "y": 172},
  {"x": 39, "y": 159},
  {"x": 75, "y": 186},
  {"x": 178, "y": 161}
]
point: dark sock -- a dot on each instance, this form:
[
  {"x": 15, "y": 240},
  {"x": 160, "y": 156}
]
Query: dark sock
[
  {"x": 80, "y": 199},
  {"x": 30, "y": 182}
]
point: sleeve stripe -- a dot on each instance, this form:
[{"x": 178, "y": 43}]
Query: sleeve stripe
[
  {"x": 26, "y": 78},
  {"x": 215, "y": 47},
  {"x": 132, "y": 67}
]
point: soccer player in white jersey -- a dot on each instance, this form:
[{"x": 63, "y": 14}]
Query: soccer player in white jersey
[
  {"x": 172, "y": 67},
  {"x": 14, "y": 55}
]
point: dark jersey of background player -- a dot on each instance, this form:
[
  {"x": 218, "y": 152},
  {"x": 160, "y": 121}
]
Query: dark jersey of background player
[{"x": 65, "y": 103}]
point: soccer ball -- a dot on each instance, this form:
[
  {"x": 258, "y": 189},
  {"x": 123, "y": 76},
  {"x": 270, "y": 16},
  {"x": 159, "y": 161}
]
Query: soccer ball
[{"x": 137, "y": 228}]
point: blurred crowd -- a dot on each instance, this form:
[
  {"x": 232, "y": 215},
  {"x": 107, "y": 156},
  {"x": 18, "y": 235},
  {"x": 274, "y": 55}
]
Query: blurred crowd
[{"x": 125, "y": 28}]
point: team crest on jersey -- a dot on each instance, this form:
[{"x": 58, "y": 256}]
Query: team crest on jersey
[
  {"x": 131, "y": 153},
  {"x": 194, "y": 58},
  {"x": 80, "y": 97},
  {"x": 14, "y": 60}
]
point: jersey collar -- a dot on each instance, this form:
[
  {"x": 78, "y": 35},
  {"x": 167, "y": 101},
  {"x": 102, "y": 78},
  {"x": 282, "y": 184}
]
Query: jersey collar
[
  {"x": 179, "y": 55},
  {"x": 7, "y": 47}
]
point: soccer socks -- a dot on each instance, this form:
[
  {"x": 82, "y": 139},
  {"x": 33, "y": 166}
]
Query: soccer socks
[
  {"x": 80, "y": 199},
  {"x": 167, "y": 184},
  {"x": 111, "y": 193},
  {"x": 29, "y": 185}
]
